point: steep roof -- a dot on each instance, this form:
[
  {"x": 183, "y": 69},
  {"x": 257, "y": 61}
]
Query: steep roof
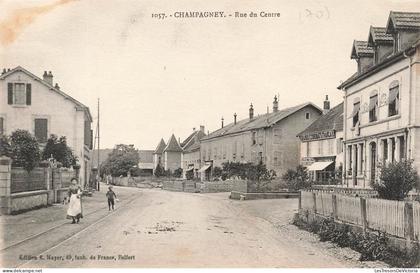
[
  {"x": 379, "y": 35},
  {"x": 333, "y": 120},
  {"x": 194, "y": 140},
  {"x": 173, "y": 145},
  {"x": 262, "y": 121},
  {"x": 402, "y": 20},
  {"x": 161, "y": 146},
  {"x": 361, "y": 49},
  {"x": 58, "y": 91}
]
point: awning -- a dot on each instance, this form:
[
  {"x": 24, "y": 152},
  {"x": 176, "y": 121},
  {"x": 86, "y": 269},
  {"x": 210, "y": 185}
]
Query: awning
[
  {"x": 319, "y": 166},
  {"x": 204, "y": 168},
  {"x": 191, "y": 168}
]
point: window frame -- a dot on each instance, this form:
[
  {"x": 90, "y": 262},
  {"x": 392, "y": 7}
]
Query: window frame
[
  {"x": 355, "y": 121},
  {"x": 373, "y": 114}
]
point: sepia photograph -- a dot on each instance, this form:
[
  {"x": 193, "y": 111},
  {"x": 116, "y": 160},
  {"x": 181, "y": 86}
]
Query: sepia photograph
[{"x": 161, "y": 134}]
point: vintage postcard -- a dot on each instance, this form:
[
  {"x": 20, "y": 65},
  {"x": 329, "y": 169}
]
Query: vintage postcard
[{"x": 209, "y": 134}]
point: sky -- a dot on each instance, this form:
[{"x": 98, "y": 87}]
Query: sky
[{"x": 159, "y": 77}]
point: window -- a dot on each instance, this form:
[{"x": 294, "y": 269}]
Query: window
[
  {"x": 277, "y": 135},
  {"x": 393, "y": 99},
  {"x": 277, "y": 158},
  {"x": 373, "y": 108},
  {"x": 41, "y": 129},
  {"x": 260, "y": 155},
  {"x": 339, "y": 145},
  {"x": 1, "y": 126},
  {"x": 254, "y": 138},
  {"x": 307, "y": 115},
  {"x": 320, "y": 150},
  {"x": 88, "y": 135},
  {"x": 355, "y": 114},
  {"x": 19, "y": 93}
]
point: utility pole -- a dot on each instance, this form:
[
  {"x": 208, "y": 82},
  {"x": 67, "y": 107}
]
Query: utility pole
[{"x": 99, "y": 171}]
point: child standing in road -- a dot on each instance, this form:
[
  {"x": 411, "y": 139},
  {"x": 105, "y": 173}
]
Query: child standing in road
[{"x": 111, "y": 195}]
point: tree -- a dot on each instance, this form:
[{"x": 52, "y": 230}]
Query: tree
[
  {"x": 396, "y": 180},
  {"x": 25, "y": 150},
  {"x": 297, "y": 179},
  {"x": 5, "y": 148},
  {"x": 177, "y": 173},
  {"x": 57, "y": 148},
  {"x": 121, "y": 160},
  {"x": 159, "y": 171}
]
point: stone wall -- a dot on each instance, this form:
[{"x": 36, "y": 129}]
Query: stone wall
[
  {"x": 28, "y": 200},
  {"x": 224, "y": 186}
]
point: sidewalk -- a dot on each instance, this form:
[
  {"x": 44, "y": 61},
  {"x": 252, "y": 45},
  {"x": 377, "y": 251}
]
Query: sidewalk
[{"x": 15, "y": 228}]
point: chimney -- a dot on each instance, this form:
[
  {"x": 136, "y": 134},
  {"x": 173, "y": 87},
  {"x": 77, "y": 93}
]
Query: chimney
[
  {"x": 57, "y": 86},
  {"x": 251, "y": 111},
  {"x": 4, "y": 71},
  {"x": 193, "y": 129},
  {"x": 234, "y": 118},
  {"x": 202, "y": 128},
  {"x": 275, "y": 104},
  {"x": 48, "y": 77},
  {"x": 222, "y": 122},
  {"x": 326, "y": 105}
]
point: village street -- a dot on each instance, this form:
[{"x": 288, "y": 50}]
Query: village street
[{"x": 156, "y": 228}]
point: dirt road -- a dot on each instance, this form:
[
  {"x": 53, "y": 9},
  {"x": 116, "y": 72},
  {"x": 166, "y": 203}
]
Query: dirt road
[{"x": 171, "y": 229}]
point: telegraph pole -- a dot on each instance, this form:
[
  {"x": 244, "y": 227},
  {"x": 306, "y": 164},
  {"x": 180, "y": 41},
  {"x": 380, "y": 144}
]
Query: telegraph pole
[{"x": 97, "y": 131}]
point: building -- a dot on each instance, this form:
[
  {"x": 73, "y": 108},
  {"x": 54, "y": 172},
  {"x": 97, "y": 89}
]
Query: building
[
  {"x": 146, "y": 165},
  {"x": 158, "y": 159},
  {"x": 191, "y": 156},
  {"x": 172, "y": 155},
  {"x": 321, "y": 148},
  {"x": 269, "y": 139},
  {"x": 381, "y": 100},
  {"x": 30, "y": 103}
]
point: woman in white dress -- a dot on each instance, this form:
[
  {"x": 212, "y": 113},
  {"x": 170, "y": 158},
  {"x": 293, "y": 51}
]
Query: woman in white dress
[{"x": 74, "y": 210}]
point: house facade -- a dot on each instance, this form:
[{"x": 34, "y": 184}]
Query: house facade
[
  {"x": 146, "y": 165},
  {"x": 321, "y": 147},
  {"x": 172, "y": 155},
  {"x": 269, "y": 139},
  {"x": 382, "y": 100},
  {"x": 30, "y": 103},
  {"x": 191, "y": 156}
]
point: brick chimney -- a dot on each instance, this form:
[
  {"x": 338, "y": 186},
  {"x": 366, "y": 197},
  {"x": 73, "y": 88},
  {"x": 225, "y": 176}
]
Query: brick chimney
[
  {"x": 234, "y": 118},
  {"x": 202, "y": 128},
  {"x": 56, "y": 86},
  {"x": 275, "y": 104},
  {"x": 48, "y": 77},
  {"x": 251, "y": 111},
  {"x": 223, "y": 122},
  {"x": 326, "y": 105}
]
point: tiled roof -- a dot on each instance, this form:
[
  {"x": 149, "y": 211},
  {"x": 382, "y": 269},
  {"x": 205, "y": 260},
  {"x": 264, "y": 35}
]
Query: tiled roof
[
  {"x": 360, "y": 49},
  {"x": 146, "y": 156},
  {"x": 193, "y": 141},
  {"x": 403, "y": 20},
  {"x": 262, "y": 121},
  {"x": 21, "y": 69},
  {"x": 333, "y": 120},
  {"x": 161, "y": 146},
  {"x": 379, "y": 35},
  {"x": 173, "y": 145}
]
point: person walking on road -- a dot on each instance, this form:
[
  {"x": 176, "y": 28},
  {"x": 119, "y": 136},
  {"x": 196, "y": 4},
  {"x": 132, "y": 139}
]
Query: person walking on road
[
  {"x": 74, "y": 210},
  {"x": 111, "y": 195}
]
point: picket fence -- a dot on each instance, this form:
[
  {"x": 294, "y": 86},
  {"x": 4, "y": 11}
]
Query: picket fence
[{"x": 373, "y": 213}]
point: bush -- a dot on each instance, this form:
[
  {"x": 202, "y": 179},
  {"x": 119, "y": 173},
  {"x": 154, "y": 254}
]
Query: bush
[
  {"x": 396, "y": 180},
  {"x": 297, "y": 179},
  {"x": 58, "y": 149},
  {"x": 25, "y": 150},
  {"x": 190, "y": 175},
  {"x": 159, "y": 170},
  {"x": 5, "y": 148},
  {"x": 217, "y": 173},
  {"x": 177, "y": 173}
]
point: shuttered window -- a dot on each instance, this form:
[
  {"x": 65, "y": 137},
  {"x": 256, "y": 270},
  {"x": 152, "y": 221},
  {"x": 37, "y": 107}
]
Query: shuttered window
[
  {"x": 1, "y": 126},
  {"x": 87, "y": 134},
  {"x": 41, "y": 129},
  {"x": 19, "y": 93}
]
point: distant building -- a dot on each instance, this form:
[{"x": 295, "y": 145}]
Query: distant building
[
  {"x": 158, "y": 158},
  {"x": 146, "y": 162},
  {"x": 321, "y": 148},
  {"x": 191, "y": 157},
  {"x": 172, "y": 155},
  {"x": 381, "y": 100},
  {"x": 37, "y": 105},
  {"x": 270, "y": 139}
]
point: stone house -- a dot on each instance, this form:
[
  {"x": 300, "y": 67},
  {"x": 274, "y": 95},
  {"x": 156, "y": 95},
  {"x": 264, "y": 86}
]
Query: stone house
[
  {"x": 191, "y": 156},
  {"x": 270, "y": 139},
  {"x": 382, "y": 100},
  {"x": 39, "y": 106},
  {"x": 172, "y": 155},
  {"x": 321, "y": 148}
]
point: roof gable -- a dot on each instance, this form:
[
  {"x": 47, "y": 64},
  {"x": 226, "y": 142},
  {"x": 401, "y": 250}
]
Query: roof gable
[
  {"x": 161, "y": 146},
  {"x": 402, "y": 21},
  {"x": 378, "y": 35},
  {"x": 58, "y": 91},
  {"x": 173, "y": 145},
  {"x": 361, "y": 49},
  {"x": 333, "y": 120},
  {"x": 193, "y": 139}
]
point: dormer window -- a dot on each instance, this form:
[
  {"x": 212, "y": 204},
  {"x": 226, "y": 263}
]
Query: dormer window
[
  {"x": 393, "y": 99},
  {"x": 373, "y": 107},
  {"x": 18, "y": 93},
  {"x": 355, "y": 113}
]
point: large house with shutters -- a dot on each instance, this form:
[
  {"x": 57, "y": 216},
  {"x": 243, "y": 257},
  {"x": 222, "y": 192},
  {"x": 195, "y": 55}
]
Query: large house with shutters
[
  {"x": 37, "y": 105},
  {"x": 382, "y": 100},
  {"x": 191, "y": 156},
  {"x": 270, "y": 139}
]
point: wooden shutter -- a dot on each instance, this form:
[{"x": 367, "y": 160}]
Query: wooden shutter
[
  {"x": 10, "y": 93},
  {"x": 41, "y": 130},
  {"x": 91, "y": 140},
  {"x": 87, "y": 133},
  {"x": 1, "y": 126},
  {"x": 28, "y": 94}
]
